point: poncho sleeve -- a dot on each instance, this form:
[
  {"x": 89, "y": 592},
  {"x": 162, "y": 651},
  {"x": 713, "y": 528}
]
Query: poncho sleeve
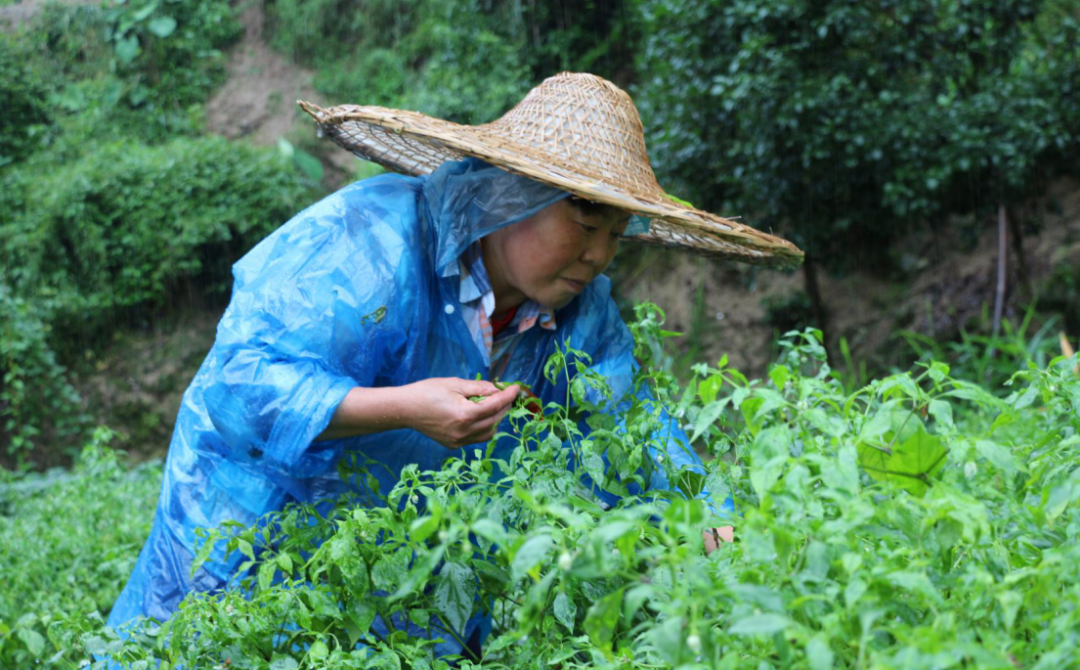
[{"x": 317, "y": 308}]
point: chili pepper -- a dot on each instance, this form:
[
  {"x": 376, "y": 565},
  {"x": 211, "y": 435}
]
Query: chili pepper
[{"x": 526, "y": 398}]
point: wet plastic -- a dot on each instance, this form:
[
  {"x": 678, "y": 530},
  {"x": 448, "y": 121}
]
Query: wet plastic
[{"x": 359, "y": 289}]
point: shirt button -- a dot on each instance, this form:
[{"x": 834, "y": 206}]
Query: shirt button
[{"x": 449, "y": 309}]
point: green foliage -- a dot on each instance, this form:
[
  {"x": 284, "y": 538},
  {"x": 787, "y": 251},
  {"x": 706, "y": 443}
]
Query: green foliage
[
  {"x": 841, "y": 122},
  {"x": 170, "y": 50},
  {"x": 78, "y": 74},
  {"x": 23, "y": 112},
  {"x": 121, "y": 228},
  {"x": 68, "y": 541},
  {"x": 36, "y": 396},
  {"x": 838, "y": 560},
  {"x": 980, "y": 355},
  {"x": 465, "y": 61},
  {"x": 166, "y": 53}
]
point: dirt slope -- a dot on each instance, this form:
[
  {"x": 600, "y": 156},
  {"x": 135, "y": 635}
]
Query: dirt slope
[{"x": 258, "y": 100}]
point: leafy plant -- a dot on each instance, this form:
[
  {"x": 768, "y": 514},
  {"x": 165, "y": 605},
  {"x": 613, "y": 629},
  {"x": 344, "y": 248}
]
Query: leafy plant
[
  {"x": 35, "y": 396},
  {"x": 842, "y": 124},
  {"x": 68, "y": 541},
  {"x": 22, "y": 104},
  {"x": 123, "y": 228},
  {"x": 839, "y": 560},
  {"x": 980, "y": 355}
]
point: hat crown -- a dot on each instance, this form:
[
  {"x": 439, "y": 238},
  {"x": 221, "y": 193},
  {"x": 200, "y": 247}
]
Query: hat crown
[{"x": 588, "y": 125}]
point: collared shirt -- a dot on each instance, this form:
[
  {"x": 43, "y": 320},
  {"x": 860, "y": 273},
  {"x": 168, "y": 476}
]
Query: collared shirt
[{"x": 478, "y": 304}]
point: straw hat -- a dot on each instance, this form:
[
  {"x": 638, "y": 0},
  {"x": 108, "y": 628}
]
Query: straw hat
[{"x": 576, "y": 132}]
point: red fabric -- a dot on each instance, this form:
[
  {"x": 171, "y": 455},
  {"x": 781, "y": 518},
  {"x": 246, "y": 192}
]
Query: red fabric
[{"x": 498, "y": 323}]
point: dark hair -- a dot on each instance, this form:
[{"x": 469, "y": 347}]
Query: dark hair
[{"x": 590, "y": 209}]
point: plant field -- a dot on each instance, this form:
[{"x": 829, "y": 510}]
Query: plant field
[{"x": 918, "y": 522}]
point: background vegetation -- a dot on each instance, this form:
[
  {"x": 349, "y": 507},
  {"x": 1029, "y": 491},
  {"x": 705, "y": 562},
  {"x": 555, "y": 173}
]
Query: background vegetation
[{"x": 850, "y": 128}]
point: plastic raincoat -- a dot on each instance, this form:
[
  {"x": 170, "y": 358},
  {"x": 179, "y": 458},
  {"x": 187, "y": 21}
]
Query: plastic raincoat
[{"x": 360, "y": 289}]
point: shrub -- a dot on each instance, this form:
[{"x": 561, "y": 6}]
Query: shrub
[
  {"x": 121, "y": 228},
  {"x": 467, "y": 61},
  {"x": 24, "y": 114},
  {"x": 36, "y": 398},
  {"x": 128, "y": 222},
  {"x": 842, "y": 123}
]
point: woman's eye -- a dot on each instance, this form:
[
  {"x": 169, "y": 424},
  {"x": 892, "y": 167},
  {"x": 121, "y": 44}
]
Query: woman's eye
[{"x": 588, "y": 229}]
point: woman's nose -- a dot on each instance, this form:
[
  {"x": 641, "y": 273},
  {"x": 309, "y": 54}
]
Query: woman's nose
[{"x": 597, "y": 250}]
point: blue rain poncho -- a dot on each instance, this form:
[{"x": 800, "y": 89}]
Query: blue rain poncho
[{"x": 360, "y": 289}]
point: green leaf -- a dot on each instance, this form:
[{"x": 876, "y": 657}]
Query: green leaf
[
  {"x": 33, "y": 640},
  {"x": 779, "y": 375},
  {"x": 534, "y": 550},
  {"x": 308, "y": 164},
  {"x": 565, "y": 611},
  {"x": 771, "y": 450},
  {"x": 162, "y": 26},
  {"x": 602, "y": 619},
  {"x": 95, "y": 645},
  {"x": 490, "y": 530},
  {"x": 942, "y": 413},
  {"x": 284, "y": 562},
  {"x": 127, "y": 49},
  {"x": 1000, "y": 456},
  {"x": 760, "y": 624},
  {"x": 910, "y": 463},
  {"x": 266, "y": 575},
  {"x": 708, "y": 416},
  {"x": 709, "y": 388},
  {"x": 145, "y": 11},
  {"x": 390, "y": 570},
  {"x": 318, "y": 650},
  {"x": 245, "y": 548},
  {"x": 283, "y": 663},
  {"x": 678, "y": 200},
  {"x": 818, "y": 653},
  {"x": 455, "y": 593}
]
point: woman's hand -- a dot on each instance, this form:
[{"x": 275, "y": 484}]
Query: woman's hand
[
  {"x": 715, "y": 536},
  {"x": 441, "y": 409}
]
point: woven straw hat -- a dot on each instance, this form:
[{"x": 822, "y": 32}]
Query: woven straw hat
[{"x": 576, "y": 132}]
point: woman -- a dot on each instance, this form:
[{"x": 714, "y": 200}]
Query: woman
[{"x": 361, "y": 324}]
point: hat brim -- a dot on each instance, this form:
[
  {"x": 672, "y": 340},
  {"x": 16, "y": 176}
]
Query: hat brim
[{"x": 416, "y": 144}]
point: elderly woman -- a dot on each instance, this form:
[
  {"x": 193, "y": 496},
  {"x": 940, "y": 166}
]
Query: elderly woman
[{"x": 361, "y": 324}]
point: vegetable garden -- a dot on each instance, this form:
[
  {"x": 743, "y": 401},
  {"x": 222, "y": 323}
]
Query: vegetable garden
[
  {"x": 917, "y": 522},
  {"x": 901, "y": 516}
]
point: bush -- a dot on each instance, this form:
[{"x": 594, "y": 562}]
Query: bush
[
  {"x": 24, "y": 115},
  {"x": 125, "y": 224},
  {"x": 36, "y": 398},
  {"x": 133, "y": 70},
  {"x": 68, "y": 541},
  {"x": 468, "y": 62},
  {"x": 170, "y": 51},
  {"x": 843, "y": 123},
  {"x": 121, "y": 229}
]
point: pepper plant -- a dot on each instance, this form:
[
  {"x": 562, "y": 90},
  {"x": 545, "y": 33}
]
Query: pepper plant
[{"x": 917, "y": 522}]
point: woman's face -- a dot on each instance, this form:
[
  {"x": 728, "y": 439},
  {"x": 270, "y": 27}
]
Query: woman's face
[{"x": 551, "y": 256}]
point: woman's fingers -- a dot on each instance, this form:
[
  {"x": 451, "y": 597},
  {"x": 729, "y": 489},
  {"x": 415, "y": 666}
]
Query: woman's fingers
[
  {"x": 473, "y": 387},
  {"x": 496, "y": 402}
]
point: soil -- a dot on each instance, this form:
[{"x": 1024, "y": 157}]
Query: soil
[
  {"x": 139, "y": 382},
  {"x": 257, "y": 102}
]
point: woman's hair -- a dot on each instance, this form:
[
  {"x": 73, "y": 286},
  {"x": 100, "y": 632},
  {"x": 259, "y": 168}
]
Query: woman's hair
[{"x": 590, "y": 209}]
